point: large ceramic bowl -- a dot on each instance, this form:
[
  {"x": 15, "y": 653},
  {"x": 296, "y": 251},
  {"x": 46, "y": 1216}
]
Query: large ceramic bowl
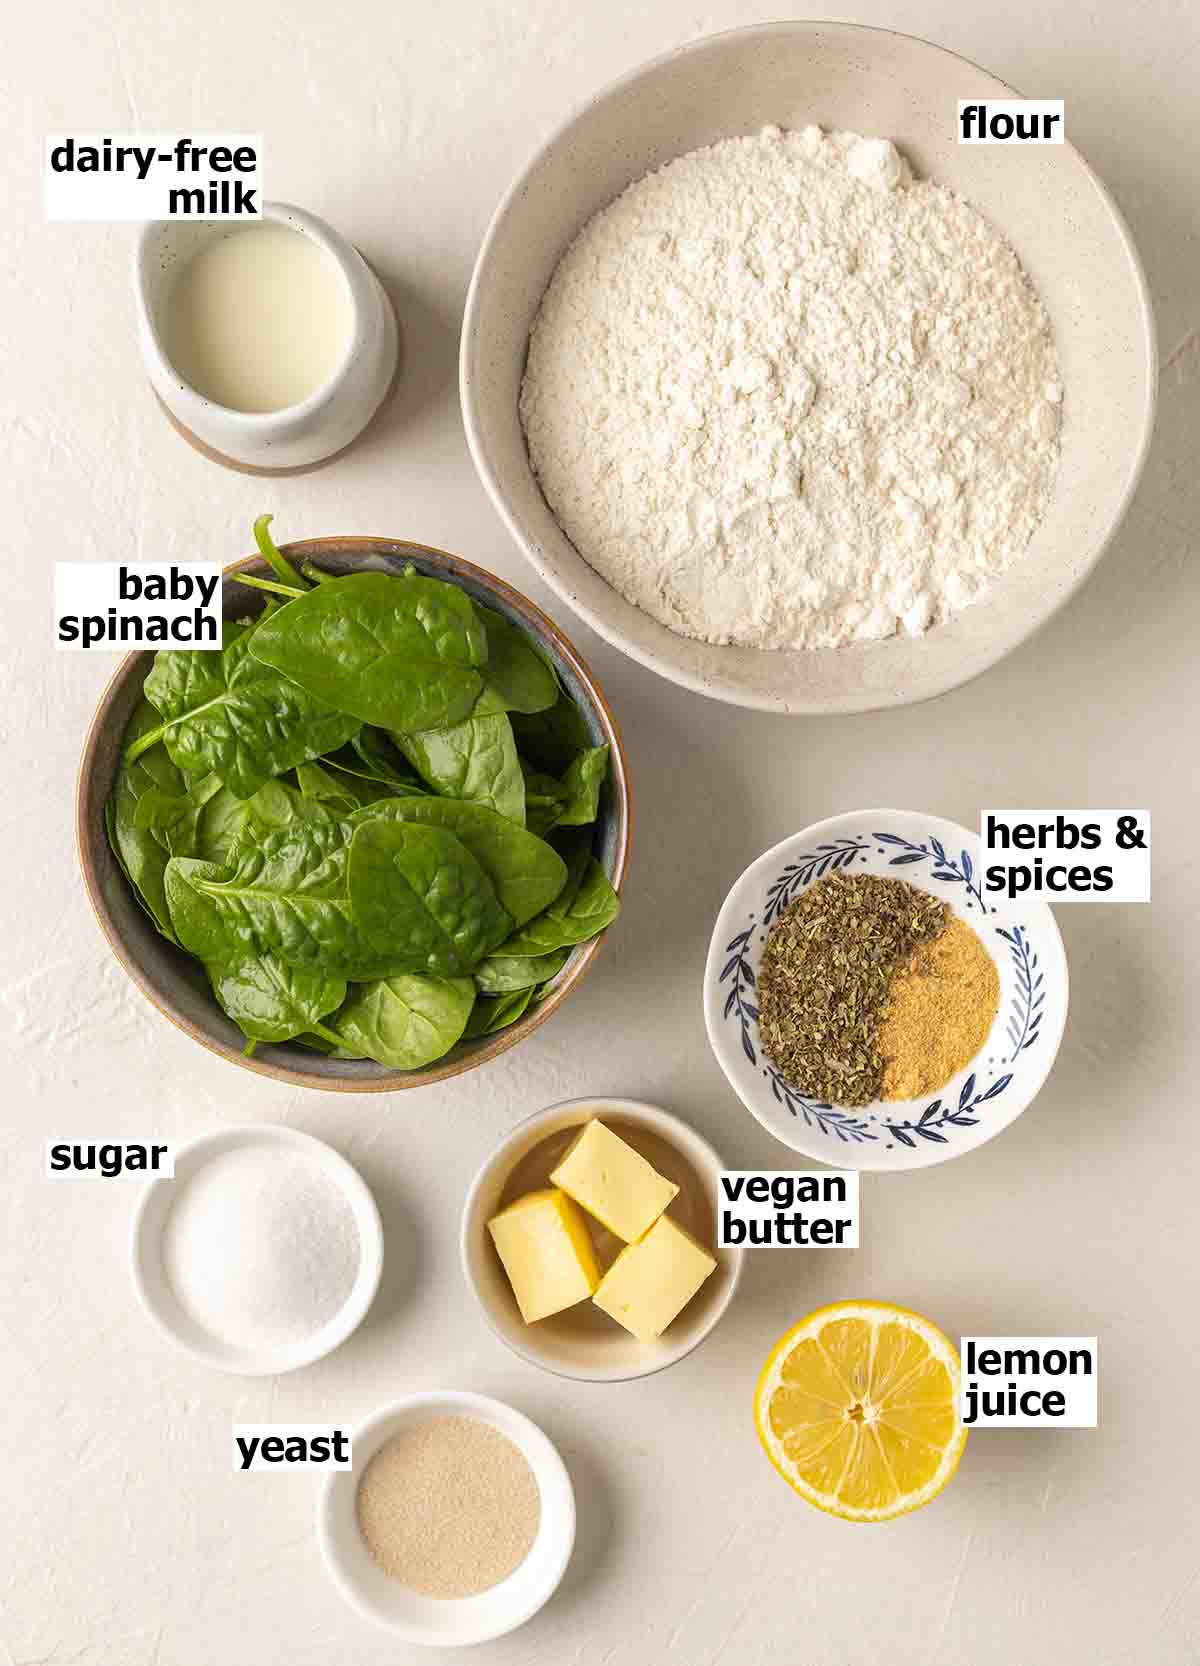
[
  {"x": 1046, "y": 201},
  {"x": 982, "y": 1099},
  {"x": 175, "y": 984}
]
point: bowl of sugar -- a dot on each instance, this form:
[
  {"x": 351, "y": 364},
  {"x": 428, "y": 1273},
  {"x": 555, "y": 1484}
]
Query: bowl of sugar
[
  {"x": 261, "y": 1254},
  {"x": 795, "y": 398}
]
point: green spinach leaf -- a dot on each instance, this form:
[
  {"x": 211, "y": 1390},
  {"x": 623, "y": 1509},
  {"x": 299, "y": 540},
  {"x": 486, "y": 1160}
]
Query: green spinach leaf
[
  {"x": 269, "y": 1001},
  {"x": 594, "y": 906},
  {"x": 552, "y": 739},
  {"x": 404, "y": 1022},
  {"x": 233, "y": 715},
  {"x": 582, "y": 782},
  {"x": 527, "y": 873},
  {"x": 417, "y": 891},
  {"x": 286, "y": 896},
  {"x": 496, "y": 1012},
  {"x": 142, "y": 856},
  {"x": 518, "y": 678},
  {"x": 403, "y": 652},
  {"x": 502, "y": 974},
  {"x": 474, "y": 761},
  {"x": 343, "y": 794}
]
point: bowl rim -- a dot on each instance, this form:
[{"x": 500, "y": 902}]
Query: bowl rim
[
  {"x": 654, "y": 1117},
  {"x": 659, "y": 661},
  {"x": 852, "y": 1157},
  {"x": 527, "y": 1435},
  {"x": 339, "y": 1329},
  {"x": 361, "y": 547}
]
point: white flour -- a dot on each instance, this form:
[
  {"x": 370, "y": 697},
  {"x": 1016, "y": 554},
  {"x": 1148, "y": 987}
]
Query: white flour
[{"x": 779, "y": 394}]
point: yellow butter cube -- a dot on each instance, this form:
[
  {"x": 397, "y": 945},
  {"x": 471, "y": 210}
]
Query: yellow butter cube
[
  {"x": 543, "y": 1241},
  {"x": 652, "y": 1281},
  {"x": 613, "y": 1182}
]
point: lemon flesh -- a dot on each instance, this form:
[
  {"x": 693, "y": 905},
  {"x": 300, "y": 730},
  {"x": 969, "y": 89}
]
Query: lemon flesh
[{"x": 857, "y": 1408}]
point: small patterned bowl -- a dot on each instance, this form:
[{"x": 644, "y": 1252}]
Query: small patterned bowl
[{"x": 939, "y": 857}]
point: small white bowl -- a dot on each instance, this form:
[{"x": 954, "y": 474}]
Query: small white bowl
[
  {"x": 582, "y": 1342},
  {"x": 432, "y": 1621},
  {"x": 999, "y": 1083},
  {"x": 1046, "y": 201},
  {"x": 159, "y": 1299},
  {"x": 299, "y": 435}
]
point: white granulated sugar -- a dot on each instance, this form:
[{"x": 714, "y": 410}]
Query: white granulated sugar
[
  {"x": 782, "y": 394},
  {"x": 261, "y": 1247}
]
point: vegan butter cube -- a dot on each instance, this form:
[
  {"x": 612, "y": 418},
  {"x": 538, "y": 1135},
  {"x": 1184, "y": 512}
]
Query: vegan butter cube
[
  {"x": 543, "y": 1241},
  {"x": 613, "y": 1182},
  {"x": 651, "y": 1282}
]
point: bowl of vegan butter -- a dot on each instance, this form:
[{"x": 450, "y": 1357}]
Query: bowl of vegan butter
[
  {"x": 589, "y": 1240},
  {"x": 270, "y": 342}
]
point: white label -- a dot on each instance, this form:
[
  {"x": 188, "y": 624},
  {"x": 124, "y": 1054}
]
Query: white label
[
  {"x": 150, "y": 604},
  {"x": 778, "y": 1209},
  {"x": 110, "y": 1160},
  {"x": 258, "y": 1446},
  {"x": 1012, "y": 121},
  {"x": 1066, "y": 855},
  {"x": 1029, "y": 1382},
  {"x": 154, "y": 176}
]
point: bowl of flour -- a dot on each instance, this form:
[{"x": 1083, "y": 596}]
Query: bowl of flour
[{"x": 795, "y": 399}]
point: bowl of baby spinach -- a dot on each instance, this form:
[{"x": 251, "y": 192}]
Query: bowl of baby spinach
[{"x": 373, "y": 841}]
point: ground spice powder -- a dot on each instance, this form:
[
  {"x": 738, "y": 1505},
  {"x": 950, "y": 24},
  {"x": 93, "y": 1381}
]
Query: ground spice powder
[
  {"x": 449, "y": 1507},
  {"x": 941, "y": 1008}
]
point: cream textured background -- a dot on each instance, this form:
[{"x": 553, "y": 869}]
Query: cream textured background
[{"x": 125, "y": 1537}]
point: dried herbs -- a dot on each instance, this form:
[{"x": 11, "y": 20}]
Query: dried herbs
[{"x": 826, "y": 976}]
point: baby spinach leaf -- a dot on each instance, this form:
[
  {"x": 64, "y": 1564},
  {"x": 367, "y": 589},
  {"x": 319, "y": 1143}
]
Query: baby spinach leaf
[
  {"x": 572, "y": 802},
  {"x": 173, "y": 818},
  {"x": 518, "y": 678},
  {"x": 502, "y": 974},
  {"x": 403, "y": 652},
  {"x": 552, "y": 739},
  {"x": 376, "y": 756},
  {"x": 545, "y": 799},
  {"x": 269, "y": 1001},
  {"x": 343, "y": 794},
  {"x": 527, "y": 873},
  {"x": 219, "y": 826},
  {"x": 474, "y": 761},
  {"x": 594, "y": 906},
  {"x": 404, "y": 1022},
  {"x": 231, "y": 714},
  {"x": 141, "y": 855},
  {"x": 582, "y": 782},
  {"x": 496, "y": 1012},
  {"x": 417, "y": 892},
  {"x": 286, "y": 896}
]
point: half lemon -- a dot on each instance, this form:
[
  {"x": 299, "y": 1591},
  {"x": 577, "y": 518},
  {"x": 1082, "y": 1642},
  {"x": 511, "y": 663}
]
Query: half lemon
[{"x": 857, "y": 1408}]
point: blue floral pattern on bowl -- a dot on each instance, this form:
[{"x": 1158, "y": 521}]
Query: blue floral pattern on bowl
[{"x": 1000, "y": 1081}]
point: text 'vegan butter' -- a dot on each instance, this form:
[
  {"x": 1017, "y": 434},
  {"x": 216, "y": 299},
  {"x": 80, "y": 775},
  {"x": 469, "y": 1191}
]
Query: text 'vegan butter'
[
  {"x": 653, "y": 1280},
  {"x": 543, "y": 1241},
  {"x": 613, "y": 1182}
]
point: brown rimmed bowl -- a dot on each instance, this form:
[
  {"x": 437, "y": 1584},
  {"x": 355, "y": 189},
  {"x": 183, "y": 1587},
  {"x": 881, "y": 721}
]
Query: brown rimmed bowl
[{"x": 175, "y": 984}]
